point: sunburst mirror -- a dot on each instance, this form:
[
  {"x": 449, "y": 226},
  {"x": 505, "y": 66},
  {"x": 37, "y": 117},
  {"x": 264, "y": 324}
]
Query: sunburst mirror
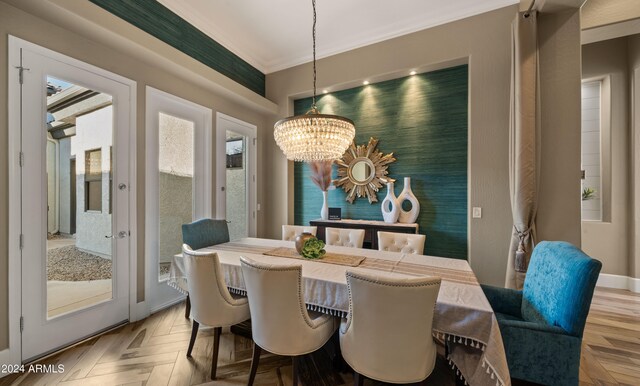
[{"x": 362, "y": 171}]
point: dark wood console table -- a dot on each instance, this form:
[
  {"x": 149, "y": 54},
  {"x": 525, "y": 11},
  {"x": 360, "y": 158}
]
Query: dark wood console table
[{"x": 370, "y": 227}]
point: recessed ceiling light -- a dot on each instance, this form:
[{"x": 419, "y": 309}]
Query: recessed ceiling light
[
  {"x": 325, "y": 91},
  {"x": 366, "y": 82},
  {"x": 412, "y": 73}
]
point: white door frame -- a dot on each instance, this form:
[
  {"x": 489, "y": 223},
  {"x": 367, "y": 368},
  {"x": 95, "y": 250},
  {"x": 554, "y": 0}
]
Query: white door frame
[
  {"x": 13, "y": 354},
  {"x": 158, "y": 294},
  {"x": 223, "y": 123}
]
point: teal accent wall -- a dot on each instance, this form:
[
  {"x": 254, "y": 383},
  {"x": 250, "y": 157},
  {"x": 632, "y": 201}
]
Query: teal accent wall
[
  {"x": 157, "y": 20},
  {"x": 423, "y": 120}
]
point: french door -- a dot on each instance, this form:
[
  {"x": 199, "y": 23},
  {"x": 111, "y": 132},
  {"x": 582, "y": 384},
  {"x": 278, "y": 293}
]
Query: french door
[
  {"x": 74, "y": 210},
  {"x": 236, "y": 175},
  {"x": 178, "y": 183}
]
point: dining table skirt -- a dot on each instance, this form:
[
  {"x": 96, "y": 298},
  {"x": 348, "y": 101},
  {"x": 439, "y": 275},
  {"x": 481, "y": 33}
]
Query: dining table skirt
[{"x": 463, "y": 317}]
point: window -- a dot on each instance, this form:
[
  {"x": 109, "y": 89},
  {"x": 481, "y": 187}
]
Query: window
[
  {"x": 592, "y": 156},
  {"x": 235, "y": 152},
  {"x": 93, "y": 180}
]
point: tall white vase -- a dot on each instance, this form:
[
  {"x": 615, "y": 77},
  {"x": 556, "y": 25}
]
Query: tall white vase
[
  {"x": 324, "y": 212},
  {"x": 411, "y": 216},
  {"x": 390, "y": 205}
]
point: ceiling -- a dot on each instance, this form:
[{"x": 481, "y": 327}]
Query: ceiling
[{"x": 276, "y": 34}]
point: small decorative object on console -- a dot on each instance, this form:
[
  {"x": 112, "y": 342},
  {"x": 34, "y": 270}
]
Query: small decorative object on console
[
  {"x": 335, "y": 214},
  {"x": 407, "y": 195},
  {"x": 390, "y": 205},
  {"x": 321, "y": 176}
]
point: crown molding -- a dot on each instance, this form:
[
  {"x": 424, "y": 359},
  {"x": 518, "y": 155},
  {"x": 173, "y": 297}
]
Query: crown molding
[{"x": 384, "y": 32}]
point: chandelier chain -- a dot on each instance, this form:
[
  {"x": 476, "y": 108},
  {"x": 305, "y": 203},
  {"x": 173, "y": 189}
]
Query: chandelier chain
[
  {"x": 314, "y": 136},
  {"x": 313, "y": 103}
]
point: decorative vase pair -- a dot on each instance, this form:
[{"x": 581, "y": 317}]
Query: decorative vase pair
[{"x": 392, "y": 211}]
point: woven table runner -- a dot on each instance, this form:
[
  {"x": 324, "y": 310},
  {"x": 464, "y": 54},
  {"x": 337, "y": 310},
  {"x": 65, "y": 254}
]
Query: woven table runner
[
  {"x": 329, "y": 257},
  {"x": 447, "y": 274}
]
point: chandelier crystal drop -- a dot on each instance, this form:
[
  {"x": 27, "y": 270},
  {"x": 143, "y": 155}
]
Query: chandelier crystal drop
[{"x": 314, "y": 136}]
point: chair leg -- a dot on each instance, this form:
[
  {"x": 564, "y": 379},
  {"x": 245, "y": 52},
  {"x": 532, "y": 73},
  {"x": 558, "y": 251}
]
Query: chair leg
[
  {"x": 254, "y": 363},
  {"x": 216, "y": 348},
  {"x": 187, "y": 307},
  {"x": 295, "y": 361},
  {"x": 194, "y": 333},
  {"x": 358, "y": 380}
]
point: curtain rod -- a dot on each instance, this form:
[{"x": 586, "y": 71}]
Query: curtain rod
[{"x": 528, "y": 12}]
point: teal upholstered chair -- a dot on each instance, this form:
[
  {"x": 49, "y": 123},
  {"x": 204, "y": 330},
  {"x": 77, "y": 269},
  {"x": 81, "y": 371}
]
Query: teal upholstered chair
[
  {"x": 542, "y": 325},
  {"x": 203, "y": 233}
]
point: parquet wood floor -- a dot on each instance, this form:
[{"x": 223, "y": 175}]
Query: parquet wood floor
[
  {"x": 611, "y": 344},
  {"x": 153, "y": 352}
]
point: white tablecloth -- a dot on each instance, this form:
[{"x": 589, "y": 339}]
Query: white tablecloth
[{"x": 463, "y": 316}]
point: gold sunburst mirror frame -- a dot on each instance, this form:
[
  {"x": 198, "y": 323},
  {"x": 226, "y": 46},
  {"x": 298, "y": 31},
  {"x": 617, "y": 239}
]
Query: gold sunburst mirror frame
[{"x": 362, "y": 171}]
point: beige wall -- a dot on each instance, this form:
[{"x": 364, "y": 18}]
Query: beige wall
[
  {"x": 484, "y": 41},
  {"x": 144, "y": 70},
  {"x": 596, "y": 13},
  {"x": 558, "y": 199},
  {"x": 609, "y": 240}
]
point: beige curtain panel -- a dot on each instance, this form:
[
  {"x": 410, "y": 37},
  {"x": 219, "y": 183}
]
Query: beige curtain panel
[{"x": 524, "y": 145}]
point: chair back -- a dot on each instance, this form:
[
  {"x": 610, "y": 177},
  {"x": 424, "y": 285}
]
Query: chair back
[
  {"x": 211, "y": 301},
  {"x": 205, "y": 232},
  {"x": 559, "y": 286},
  {"x": 401, "y": 242},
  {"x": 290, "y": 232},
  {"x": 352, "y": 238},
  {"x": 387, "y": 336},
  {"x": 279, "y": 318}
]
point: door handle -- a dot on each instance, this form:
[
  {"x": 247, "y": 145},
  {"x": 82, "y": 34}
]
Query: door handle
[{"x": 120, "y": 235}]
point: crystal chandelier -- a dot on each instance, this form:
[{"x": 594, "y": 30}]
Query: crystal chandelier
[{"x": 314, "y": 136}]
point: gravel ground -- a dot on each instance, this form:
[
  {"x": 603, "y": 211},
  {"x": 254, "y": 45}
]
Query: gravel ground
[
  {"x": 57, "y": 236},
  {"x": 164, "y": 268},
  {"x": 71, "y": 264}
]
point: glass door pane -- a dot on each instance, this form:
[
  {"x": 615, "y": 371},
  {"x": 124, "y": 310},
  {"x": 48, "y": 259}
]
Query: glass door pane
[
  {"x": 237, "y": 182},
  {"x": 175, "y": 160},
  {"x": 79, "y": 139},
  {"x": 591, "y": 183}
]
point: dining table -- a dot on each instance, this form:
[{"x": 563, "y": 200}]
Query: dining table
[{"x": 463, "y": 319}]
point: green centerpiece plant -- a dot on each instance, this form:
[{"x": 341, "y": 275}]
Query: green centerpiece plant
[{"x": 313, "y": 249}]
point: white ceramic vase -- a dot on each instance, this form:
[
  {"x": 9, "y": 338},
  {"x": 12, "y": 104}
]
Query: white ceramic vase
[
  {"x": 390, "y": 205},
  {"x": 324, "y": 212},
  {"x": 411, "y": 216}
]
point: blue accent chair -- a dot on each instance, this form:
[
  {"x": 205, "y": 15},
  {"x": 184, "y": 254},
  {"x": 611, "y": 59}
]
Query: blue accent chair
[
  {"x": 205, "y": 233},
  {"x": 542, "y": 325}
]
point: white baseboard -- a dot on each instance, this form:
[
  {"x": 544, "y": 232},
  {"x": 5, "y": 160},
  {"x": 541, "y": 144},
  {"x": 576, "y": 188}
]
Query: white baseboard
[
  {"x": 167, "y": 304},
  {"x": 619, "y": 282}
]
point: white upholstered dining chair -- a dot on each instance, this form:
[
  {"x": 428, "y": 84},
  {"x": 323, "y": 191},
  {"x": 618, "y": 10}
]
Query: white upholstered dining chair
[
  {"x": 280, "y": 323},
  {"x": 352, "y": 238},
  {"x": 401, "y": 242},
  {"x": 290, "y": 232},
  {"x": 211, "y": 302},
  {"x": 396, "y": 345}
]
